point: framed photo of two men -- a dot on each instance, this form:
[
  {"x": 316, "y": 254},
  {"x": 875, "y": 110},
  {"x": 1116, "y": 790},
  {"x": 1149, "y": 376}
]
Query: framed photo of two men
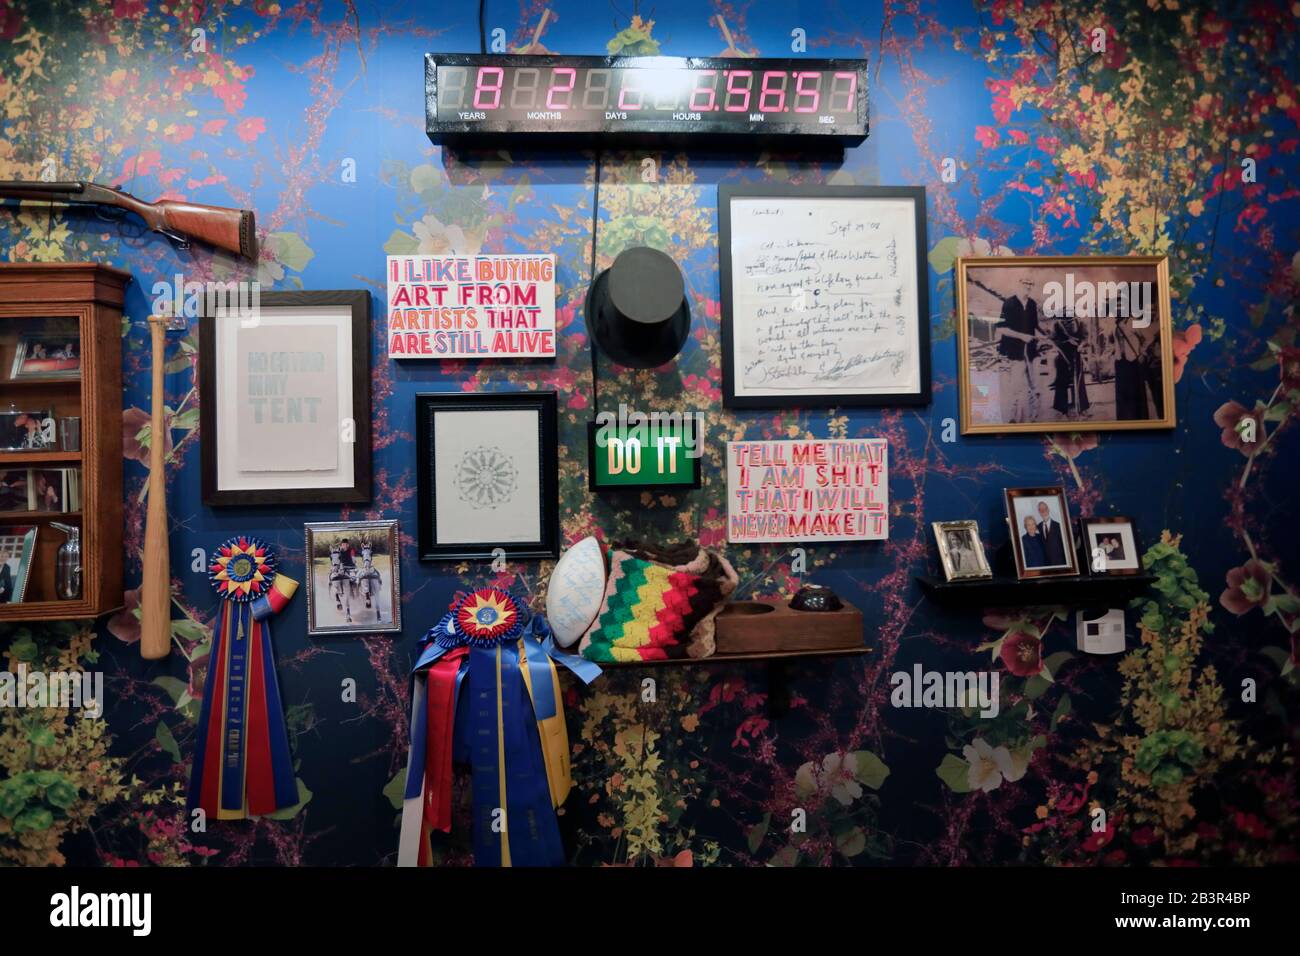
[{"x": 1064, "y": 343}]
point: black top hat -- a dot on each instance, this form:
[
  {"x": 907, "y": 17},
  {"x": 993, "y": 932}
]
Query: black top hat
[{"x": 636, "y": 309}]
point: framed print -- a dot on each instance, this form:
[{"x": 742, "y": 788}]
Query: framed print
[
  {"x": 27, "y": 430},
  {"x": 1041, "y": 535},
  {"x": 960, "y": 550},
  {"x": 285, "y": 401},
  {"x": 47, "y": 356},
  {"x": 1064, "y": 343},
  {"x": 353, "y": 577},
  {"x": 487, "y": 469},
  {"x": 824, "y": 296},
  {"x": 17, "y": 544},
  {"x": 1111, "y": 545},
  {"x": 13, "y": 490}
]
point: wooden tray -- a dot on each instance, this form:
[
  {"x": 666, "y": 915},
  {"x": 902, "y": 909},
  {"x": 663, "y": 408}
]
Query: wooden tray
[{"x": 771, "y": 626}]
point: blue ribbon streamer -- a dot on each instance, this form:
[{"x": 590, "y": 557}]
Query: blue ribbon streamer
[
  {"x": 235, "y": 729},
  {"x": 286, "y": 786}
]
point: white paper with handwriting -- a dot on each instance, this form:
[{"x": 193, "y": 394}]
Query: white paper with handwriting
[{"x": 823, "y": 296}]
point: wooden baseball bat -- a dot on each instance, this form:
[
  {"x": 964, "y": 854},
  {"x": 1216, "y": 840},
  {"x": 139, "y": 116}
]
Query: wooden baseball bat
[{"x": 156, "y": 580}]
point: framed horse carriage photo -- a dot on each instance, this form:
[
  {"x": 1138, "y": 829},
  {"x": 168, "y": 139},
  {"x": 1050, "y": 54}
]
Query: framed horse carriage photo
[
  {"x": 1064, "y": 344},
  {"x": 353, "y": 581}
]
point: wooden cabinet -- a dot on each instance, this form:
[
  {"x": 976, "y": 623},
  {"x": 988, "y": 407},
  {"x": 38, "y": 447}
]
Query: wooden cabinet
[{"x": 44, "y": 306}]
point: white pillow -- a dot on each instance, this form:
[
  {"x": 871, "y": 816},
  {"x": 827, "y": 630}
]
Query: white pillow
[{"x": 577, "y": 587}]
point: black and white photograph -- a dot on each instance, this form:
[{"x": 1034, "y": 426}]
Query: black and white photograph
[
  {"x": 353, "y": 584},
  {"x": 27, "y": 430},
  {"x": 1111, "y": 545},
  {"x": 960, "y": 550},
  {"x": 47, "y": 356},
  {"x": 1041, "y": 537},
  {"x": 1077, "y": 343}
]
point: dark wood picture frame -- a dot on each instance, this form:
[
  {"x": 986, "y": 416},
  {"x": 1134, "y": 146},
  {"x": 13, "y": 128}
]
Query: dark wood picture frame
[
  {"x": 1010, "y": 495},
  {"x": 592, "y": 485},
  {"x": 1084, "y": 526},
  {"x": 726, "y": 193},
  {"x": 546, "y": 405},
  {"x": 358, "y": 300}
]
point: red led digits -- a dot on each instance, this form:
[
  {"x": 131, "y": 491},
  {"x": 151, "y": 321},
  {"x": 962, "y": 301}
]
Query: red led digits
[{"x": 485, "y": 86}]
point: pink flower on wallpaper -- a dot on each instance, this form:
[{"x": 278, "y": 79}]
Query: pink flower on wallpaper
[
  {"x": 129, "y": 9},
  {"x": 214, "y": 127},
  {"x": 1248, "y": 587},
  {"x": 1074, "y": 444},
  {"x": 1022, "y": 653},
  {"x": 1096, "y": 841},
  {"x": 248, "y": 130},
  {"x": 134, "y": 419},
  {"x": 1184, "y": 341},
  {"x": 124, "y": 625},
  {"x": 1229, "y": 417},
  {"x": 1289, "y": 365},
  {"x": 1018, "y": 136},
  {"x": 988, "y": 136},
  {"x": 1048, "y": 144}
]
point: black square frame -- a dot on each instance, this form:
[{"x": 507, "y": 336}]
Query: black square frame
[
  {"x": 546, "y": 404},
  {"x": 726, "y": 193}
]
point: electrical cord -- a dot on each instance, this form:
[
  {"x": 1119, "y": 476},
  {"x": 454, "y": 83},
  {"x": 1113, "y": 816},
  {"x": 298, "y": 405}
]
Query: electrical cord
[
  {"x": 591, "y": 321},
  {"x": 482, "y": 26}
]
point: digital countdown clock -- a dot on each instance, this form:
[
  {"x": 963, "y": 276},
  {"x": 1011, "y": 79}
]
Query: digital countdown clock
[{"x": 473, "y": 97}]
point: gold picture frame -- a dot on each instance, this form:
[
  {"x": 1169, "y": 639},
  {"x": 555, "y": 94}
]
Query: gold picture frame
[
  {"x": 1021, "y": 373},
  {"x": 953, "y": 565}
]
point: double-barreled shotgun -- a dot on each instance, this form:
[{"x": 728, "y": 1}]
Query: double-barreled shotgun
[{"x": 229, "y": 229}]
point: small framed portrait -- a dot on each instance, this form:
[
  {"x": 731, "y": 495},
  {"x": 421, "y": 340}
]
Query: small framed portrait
[
  {"x": 49, "y": 489},
  {"x": 1064, "y": 343},
  {"x": 1111, "y": 545},
  {"x": 13, "y": 490},
  {"x": 1041, "y": 535},
  {"x": 961, "y": 551},
  {"x": 284, "y": 401},
  {"x": 17, "y": 544},
  {"x": 27, "y": 431},
  {"x": 47, "y": 356},
  {"x": 353, "y": 578},
  {"x": 487, "y": 468}
]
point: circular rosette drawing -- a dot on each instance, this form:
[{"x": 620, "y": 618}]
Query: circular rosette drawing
[
  {"x": 488, "y": 617},
  {"x": 486, "y": 477},
  {"x": 242, "y": 569}
]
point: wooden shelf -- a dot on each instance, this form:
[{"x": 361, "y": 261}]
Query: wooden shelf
[
  {"x": 780, "y": 656},
  {"x": 38, "y": 382},
  {"x": 14, "y": 459},
  {"x": 1078, "y": 591},
  {"x": 26, "y": 517}
]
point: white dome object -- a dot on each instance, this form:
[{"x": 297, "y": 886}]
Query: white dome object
[{"x": 577, "y": 587}]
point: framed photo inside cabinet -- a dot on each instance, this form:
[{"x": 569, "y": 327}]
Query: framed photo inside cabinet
[
  {"x": 27, "y": 430},
  {"x": 1042, "y": 538},
  {"x": 353, "y": 578},
  {"x": 17, "y": 545},
  {"x": 1111, "y": 546},
  {"x": 960, "y": 550},
  {"x": 487, "y": 467},
  {"x": 824, "y": 296},
  {"x": 48, "y": 355},
  {"x": 285, "y": 401},
  {"x": 1064, "y": 343}
]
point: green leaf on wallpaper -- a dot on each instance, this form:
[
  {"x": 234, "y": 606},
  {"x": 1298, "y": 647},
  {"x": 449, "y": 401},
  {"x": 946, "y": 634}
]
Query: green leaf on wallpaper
[
  {"x": 786, "y": 856},
  {"x": 1277, "y": 412},
  {"x": 167, "y": 741},
  {"x": 955, "y": 772},
  {"x": 1063, "y": 708},
  {"x": 33, "y": 819},
  {"x": 1055, "y": 661},
  {"x": 852, "y": 842},
  {"x": 40, "y": 736},
  {"x": 401, "y": 244},
  {"x": 24, "y": 649},
  {"x": 871, "y": 770},
  {"x": 288, "y": 813},
  {"x": 1037, "y": 686},
  {"x": 61, "y": 794},
  {"x": 754, "y": 837},
  {"x": 186, "y": 420},
  {"x": 425, "y": 178},
  {"x": 395, "y": 789},
  {"x": 189, "y": 630},
  {"x": 179, "y": 692},
  {"x": 944, "y": 254},
  {"x": 289, "y": 250}
]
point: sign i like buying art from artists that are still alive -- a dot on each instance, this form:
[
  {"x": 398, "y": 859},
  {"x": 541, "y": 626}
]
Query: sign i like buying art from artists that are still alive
[{"x": 471, "y": 306}]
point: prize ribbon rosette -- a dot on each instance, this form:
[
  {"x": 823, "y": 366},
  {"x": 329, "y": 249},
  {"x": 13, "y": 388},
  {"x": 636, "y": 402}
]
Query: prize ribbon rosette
[
  {"x": 486, "y": 692},
  {"x": 242, "y": 764}
]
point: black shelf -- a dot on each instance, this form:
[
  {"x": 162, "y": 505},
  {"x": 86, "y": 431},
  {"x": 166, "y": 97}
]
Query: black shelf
[{"x": 1081, "y": 591}]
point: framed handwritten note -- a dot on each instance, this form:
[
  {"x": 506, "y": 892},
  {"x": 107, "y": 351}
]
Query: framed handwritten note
[{"x": 824, "y": 296}]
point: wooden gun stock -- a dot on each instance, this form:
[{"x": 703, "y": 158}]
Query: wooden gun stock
[{"x": 231, "y": 229}]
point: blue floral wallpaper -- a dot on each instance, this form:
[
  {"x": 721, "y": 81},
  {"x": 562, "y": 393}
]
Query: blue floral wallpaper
[{"x": 1116, "y": 127}]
